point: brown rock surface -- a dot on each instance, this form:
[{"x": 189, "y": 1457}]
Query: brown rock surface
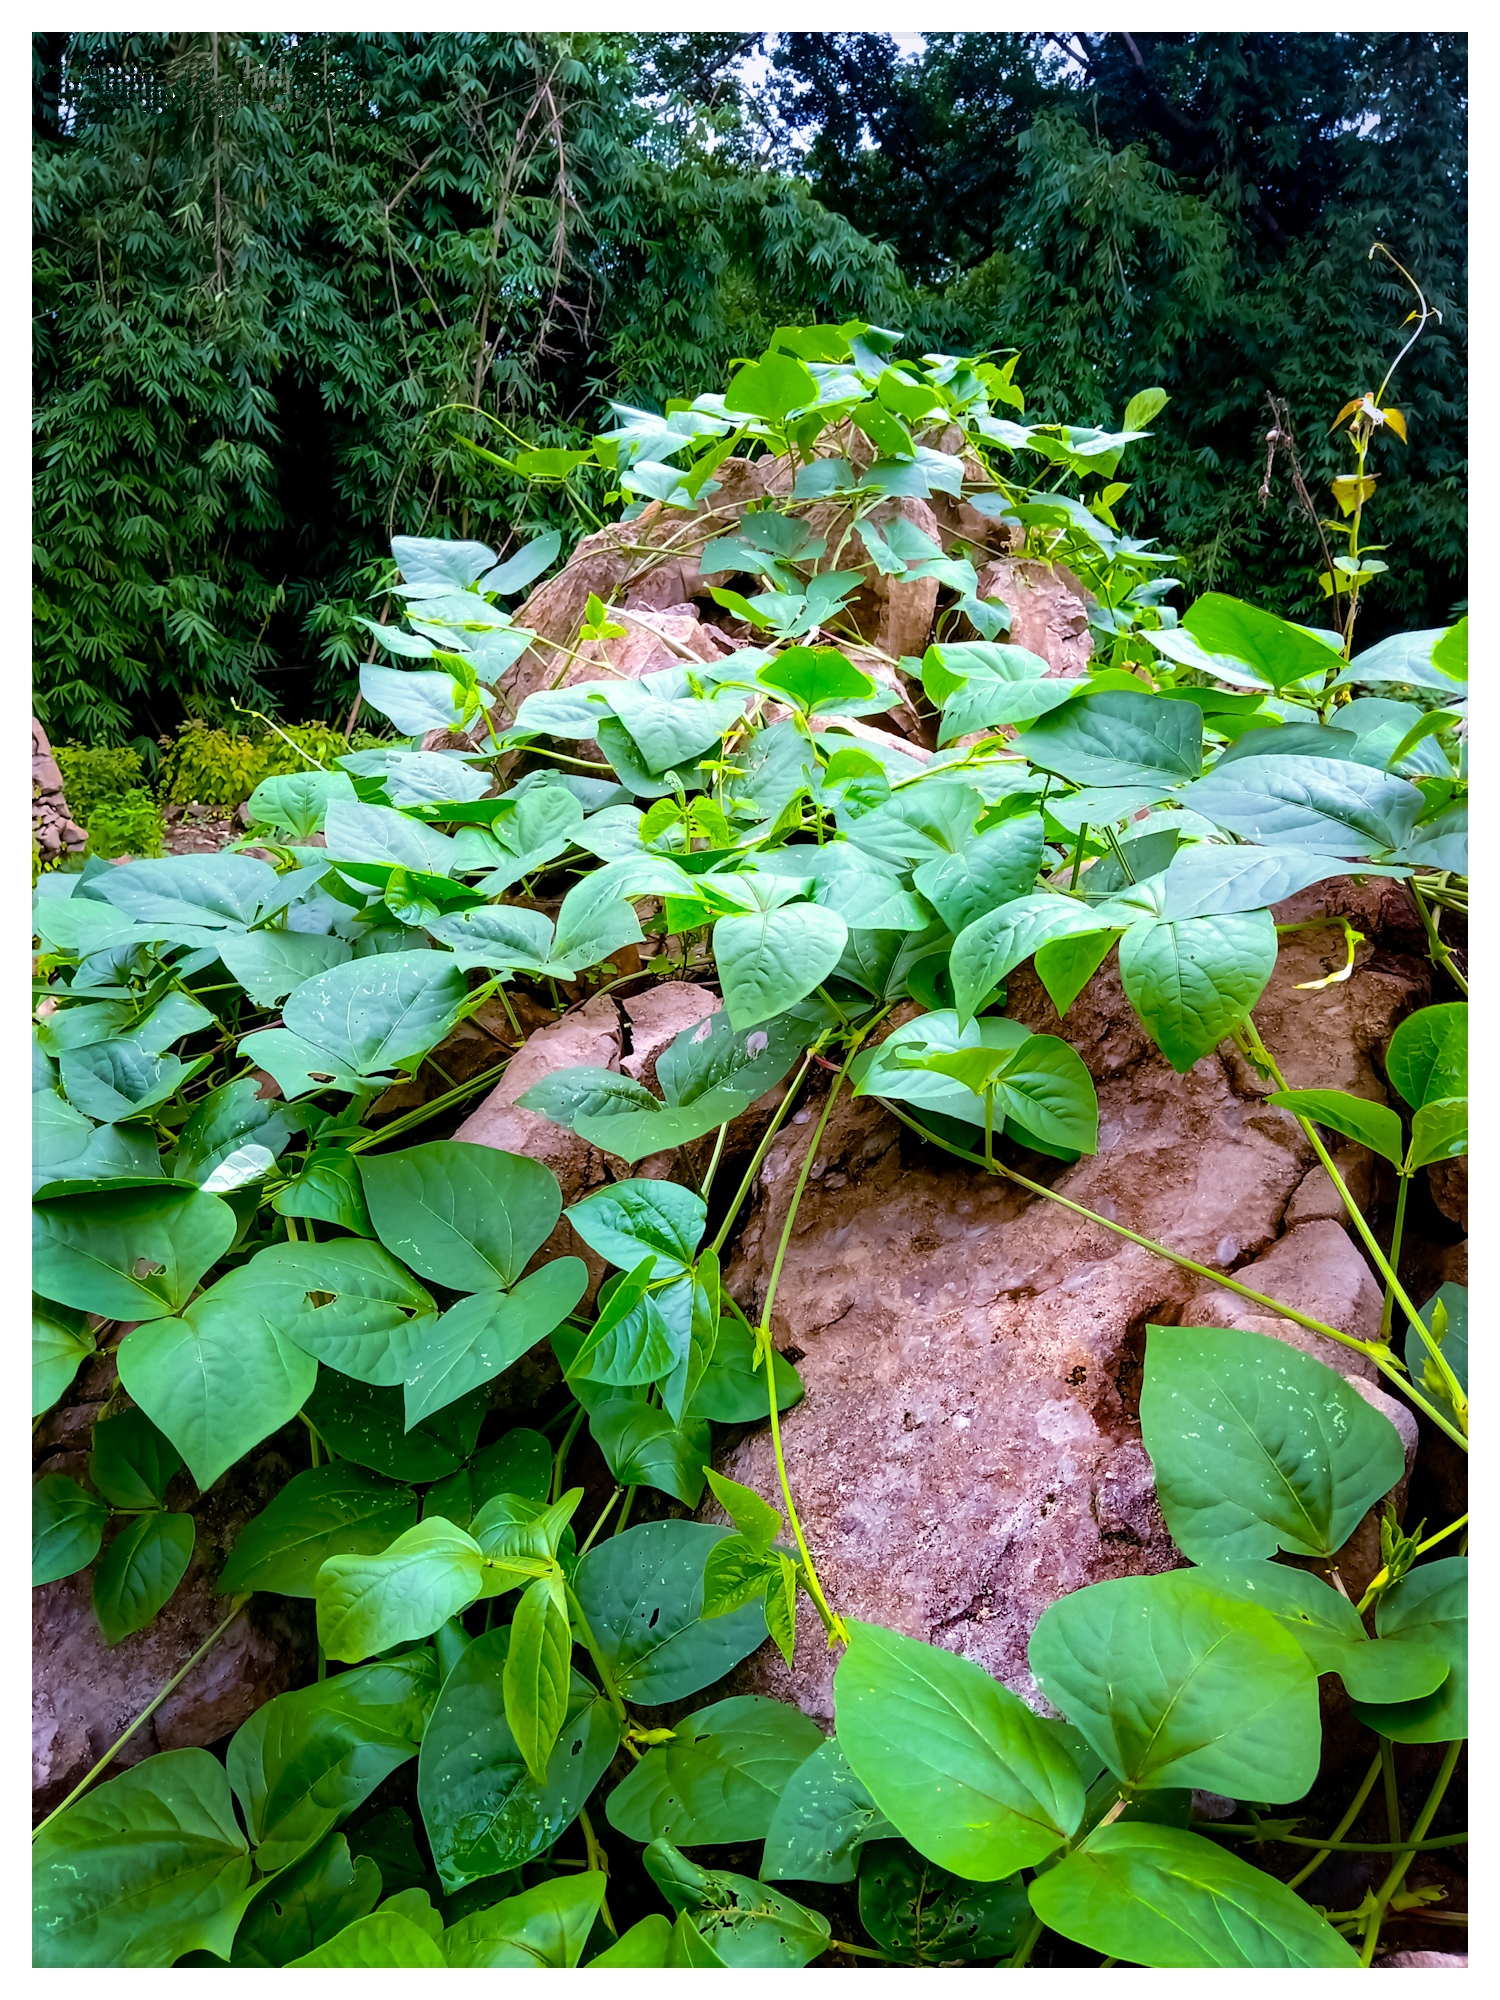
[
  {"x": 1049, "y": 611},
  {"x": 52, "y": 826},
  {"x": 968, "y": 1450}
]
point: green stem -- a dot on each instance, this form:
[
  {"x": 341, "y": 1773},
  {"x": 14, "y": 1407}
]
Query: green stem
[
  {"x": 1392, "y": 1796},
  {"x": 1437, "y": 950},
  {"x": 758, "y": 1161},
  {"x": 1403, "y": 1861},
  {"x": 604, "y": 1513},
  {"x": 1028, "y": 1943},
  {"x": 1331, "y": 1845},
  {"x": 598, "y": 1862},
  {"x": 236, "y": 1605},
  {"x": 1450, "y": 1381},
  {"x": 1396, "y": 1231},
  {"x": 591, "y": 1647},
  {"x": 560, "y": 1456},
  {"x": 713, "y": 1165},
  {"x": 1371, "y": 1348},
  {"x": 1083, "y": 834},
  {"x": 630, "y": 1493},
  {"x": 832, "y": 1623}
]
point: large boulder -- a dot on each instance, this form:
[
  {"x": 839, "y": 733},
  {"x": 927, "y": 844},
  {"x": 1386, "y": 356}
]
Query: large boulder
[{"x": 969, "y": 1448}]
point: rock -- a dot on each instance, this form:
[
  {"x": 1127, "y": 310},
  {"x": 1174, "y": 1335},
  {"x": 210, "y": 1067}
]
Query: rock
[
  {"x": 1449, "y": 1182},
  {"x": 1317, "y": 1199},
  {"x": 588, "y": 1035},
  {"x": 53, "y": 828},
  {"x": 1049, "y": 610},
  {"x": 969, "y": 1449},
  {"x": 657, "y": 1017},
  {"x": 1427, "y": 1961},
  {"x": 85, "y": 1693}
]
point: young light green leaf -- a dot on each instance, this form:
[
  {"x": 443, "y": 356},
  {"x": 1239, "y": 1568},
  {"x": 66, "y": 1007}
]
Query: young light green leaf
[
  {"x": 548, "y": 1925},
  {"x": 384, "y": 1939},
  {"x": 538, "y": 1672},
  {"x": 1429, "y": 1607},
  {"x": 1439, "y": 1131},
  {"x": 753, "y": 1517},
  {"x": 1372, "y": 1125},
  {"x": 1428, "y": 1056},
  {"x": 368, "y": 1603},
  {"x": 955, "y": 1761},
  {"x": 1192, "y": 981}
]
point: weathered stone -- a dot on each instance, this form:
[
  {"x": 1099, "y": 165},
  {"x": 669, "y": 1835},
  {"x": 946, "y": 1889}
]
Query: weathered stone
[
  {"x": 1049, "y": 611},
  {"x": 969, "y": 1449},
  {"x": 1423, "y": 1961},
  {"x": 1318, "y": 1200},
  {"x": 53, "y": 828},
  {"x": 657, "y": 1017},
  {"x": 1449, "y": 1182}
]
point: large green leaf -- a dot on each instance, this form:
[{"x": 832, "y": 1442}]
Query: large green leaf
[
  {"x": 1320, "y": 804},
  {"x": 368, "y": 1603},
  {"x": 269, "y": 964},
  {"x": 60, "y": 1344},
  {"x": 465, "y": 1216},
  {"x": 335, "y": 1509},
  {"x": 642, "y": 1593},
  {"x": 328, "y": 1189},
  {"x": 643, "y": 1447},
  {"x": 625, "y": 1222},
  {"x": 1277, "y": 652},
  {"x": 67, "y": 1148},
  {"x": 548, "y": 1925},
  {"x": 480, "y": 1336},
  {"x": 1428, "y": 1056},
  {"x": 1159, "y": 1896},
  {"x": 368, "y": 1425},
  {"x": 918, "y": 1911},
  {"x": 139, "y": 1571},
  {"x": 1115, "y": 738},
  {"x": 1372, "y": 1125},
  {"x": 1177, "y": 1686},
  {"x": 385, "y": 1939},
  {"x": 770, "y": 960},
  {"x": 305, "y": 1760},
  {"x": 632, "y": 1342},
  {"x": 993, "y": 869},
  {"x": 306, "y": 1905},
  {"x": 733, "y": 1390},
  {"x": 67, "y": 1525},
  {"x": 884, "y": 1071},
  {"x": 146, "y": 1868},
  {"x": 960, "y": 1766},
  {"x": 1454, "y": 1343},
  {"x": 720, "y": 1778},
  {"x": 348, "y": 1304},
  {"x": 771, "y": 388},
  {"x": 538, "y": 1671},
  {"x": 232, "y": 1116},
  {"x": 357, "y": 832},
  {"x": 1257, "y": 1447},
  {"x": 216, "y": 1381},
  {"x": 134, "y": 1255},
  {"x": 483, "y": 1811},
  {"x": 1439, "y": 1131},
  {"x": 1428, "y": 1607},
  {"x": 1192, "y": 981},
  {"x": 111, "y": 1081},
  {"x": 1330, "y": 1631},
  {"x": 822, "y": 1819},
  {"x": 213, "y": 890},
  {"x": 1209, "y": 880},
  {"x": 374, "y": 1013}
]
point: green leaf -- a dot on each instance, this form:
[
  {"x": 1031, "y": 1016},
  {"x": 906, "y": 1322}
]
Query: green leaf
[
  {"x": 131, "y": 1463},
  {"x": 992, "y": 870},
  {"x": 642, "y": 1594},
  {"x": 349, "y": 1304},
  {"x": 368, "y": 1425},
  {"x": 1191, "y": 982},
  {"x": 753, "y": 1517},
  {"x": 918, "y": 1911},
  {"x": 306, "y": 1905},
  {"x": 369, "y": 1603},
  {"x": 305, "y": 1760},
  {"x": 1407, "y": 658},
  {"x": 116, "y": 1080},
  {"x": 149, "y": 1866},
  {"x": 643, "y": 1447},
  {"x": 739, "y": 1921},
  {"x": 1439, "y": 1131},
  {"x": 771, "y": 388},
  {"x": 467, "y": 1216},
  {"x": 60, "y": 1344},
  {"x": 820, "y": 680},
  {"x": 132, "y": 1255},
  {"x": 623, "y": 1222},
  {"x": 374, "y": 1013},
  {"x": 1159, "y": 1896},
  {"x": 1257, "y": 1447},
  {"x": 1143, "y": 407},
  {"x": 1278, "y": 653},
  {"x": 732, "y": 1390},
  {"x": 955, "y": 1761},
  {"x": 139, "y": 1571},
  {"x": 770, "y": 960},
  {"x": 548, "y": 1925},
  {"x": 1428, "y": 1056},
  {"x": 214, "y": 890},
  {"x": 631, "y": 1342},
  {"x": 336, "y": 1509},
  {"x": 822, "y": 1819},
  {"x": 538, "y": 1672},
  {"x": 1115, "y": 738},
  {"x": 1372, "y": 1125},
  {"x": 216, "y": 1381},
  {"x": 1329, "y": 1630},
  {"x": 481, "y": 1336},
  {"x": 1176, "y": 1686},
  {"x": 328, "y": 1189},
  {"x": 1067, "y": 964},
  {"x": 1428, "y": 1607},
  {"x": 985, "y": 951},
  {"x": 67, "y": 1525},
  {"x": 269, "y": 964},
  {"x": 1320, "y": 804},
  {"x": 228, "y": 1118},
  {"x": 1450, "y": 654},
  {"x": 644, "y": 1945},
  {"x": 483, "y": 1811},
  {"x": 1454, "y": 1340},
  {"x": 385, "y": 1938},
  {"x": 719, "y": 1780}
]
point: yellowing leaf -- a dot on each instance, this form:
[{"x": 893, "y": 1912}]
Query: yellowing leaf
[
  {"x": 1396, "y": 422},
  {"x": 1351, "y": 491}
]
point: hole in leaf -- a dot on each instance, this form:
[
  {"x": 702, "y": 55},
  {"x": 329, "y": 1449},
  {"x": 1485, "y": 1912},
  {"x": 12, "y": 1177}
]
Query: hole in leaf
[{"x": 316, "y": 1299}]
